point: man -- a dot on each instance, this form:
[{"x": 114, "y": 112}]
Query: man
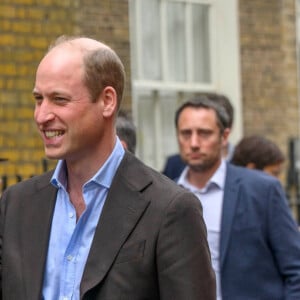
[
  {"x": 253, "y": 239},
  {"x": 102, "y": 225},
  {"x": 126, "y": 131},
  {"x": 175, "y": 165}
]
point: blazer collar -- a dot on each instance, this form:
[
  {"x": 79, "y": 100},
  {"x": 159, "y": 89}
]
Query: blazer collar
[
  {"x": 230, "y": 200},
  {"x": 122, "y": 210},
  {"x": 34, "y": 240}
]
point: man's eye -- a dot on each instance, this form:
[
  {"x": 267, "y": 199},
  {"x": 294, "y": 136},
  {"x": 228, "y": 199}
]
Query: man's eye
[
  {"x": 205, "y": 134},
  {"x": 60, "y": 99},
  {"x": 38, "y": 98},
  {"x": 185, "y": 134}
]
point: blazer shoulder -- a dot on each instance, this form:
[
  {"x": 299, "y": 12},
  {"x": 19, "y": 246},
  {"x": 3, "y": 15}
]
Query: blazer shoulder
[
  {"x": 249, "y": 176},
  {"x": 255, "y": 185},
  {"x": 136, "y": 173},
  {"x": 30, "y": 185},
  {"x": 148, "y": 181}
]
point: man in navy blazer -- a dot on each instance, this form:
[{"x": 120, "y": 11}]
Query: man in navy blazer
[{"x": 253, "y": 238}]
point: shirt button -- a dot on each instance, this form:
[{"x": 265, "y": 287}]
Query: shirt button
[
  {"x": 65, "y": 298},
  {"x": 69, "y": 257},
  {"x": 71, "y": 215}
]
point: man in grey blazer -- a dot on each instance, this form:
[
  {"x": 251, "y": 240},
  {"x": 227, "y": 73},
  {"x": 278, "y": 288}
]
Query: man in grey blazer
[
  {"x": 102, "y": 225},
  {"x": 253, "y": 238}
]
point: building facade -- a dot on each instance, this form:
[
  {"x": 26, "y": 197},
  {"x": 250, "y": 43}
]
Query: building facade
[
  {"x": 171, "y": 49},
  {"x": 27, "y": 27}
]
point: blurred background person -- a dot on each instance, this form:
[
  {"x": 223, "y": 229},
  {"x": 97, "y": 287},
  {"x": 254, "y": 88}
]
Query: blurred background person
[
  {"x": 174, "y": 166},
  {"x": 126, "y": 131},
  {"x": 253, "y": 238},
  {"x": 174, "y": 163},
  {"x": 258, "y": 152}
]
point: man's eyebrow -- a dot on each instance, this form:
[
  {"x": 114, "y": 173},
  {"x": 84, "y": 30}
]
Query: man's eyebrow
[
  {"x": 204, "y": 130},
  {"x": 52, "y": 94},
  {"x": 185, "y": 129},
  {"x": 34, "y": 92}
]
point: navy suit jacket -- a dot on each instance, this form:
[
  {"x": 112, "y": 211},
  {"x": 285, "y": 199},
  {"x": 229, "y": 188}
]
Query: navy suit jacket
[
  {"x": 260, "y": 240},
  {"x": 174, "y": 166}
]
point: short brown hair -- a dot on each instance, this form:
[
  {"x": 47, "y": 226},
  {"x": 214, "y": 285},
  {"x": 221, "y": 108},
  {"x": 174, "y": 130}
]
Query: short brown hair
[
  {"x": 258, "y": 150},
  {"x": 202, "y": 101},
  {"x": 102, "y": 68}
]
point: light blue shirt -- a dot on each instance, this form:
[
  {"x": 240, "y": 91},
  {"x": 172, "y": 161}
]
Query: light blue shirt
[
  {"x": 70, "y": 242},
  {"x": 211, "y": 198}
]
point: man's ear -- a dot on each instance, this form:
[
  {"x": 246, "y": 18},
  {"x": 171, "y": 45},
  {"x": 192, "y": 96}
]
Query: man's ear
[
  {"x": 225, "y": 137},
  {"x": 109, "y": 101}
]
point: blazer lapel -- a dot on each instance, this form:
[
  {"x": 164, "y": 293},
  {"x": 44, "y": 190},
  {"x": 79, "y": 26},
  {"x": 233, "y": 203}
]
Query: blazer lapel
[
  {"x": 122, "y": 210},
  {"x": 230, "y": 201},
  {"x": 37, "y": 208}
]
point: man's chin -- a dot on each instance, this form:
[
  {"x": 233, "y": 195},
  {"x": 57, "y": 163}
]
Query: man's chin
[
  {"x": 52, "y": 154},
  {"x": 198, "y": 167}
]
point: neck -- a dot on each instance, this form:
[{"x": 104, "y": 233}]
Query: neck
[{"x": 81, "y": 169}]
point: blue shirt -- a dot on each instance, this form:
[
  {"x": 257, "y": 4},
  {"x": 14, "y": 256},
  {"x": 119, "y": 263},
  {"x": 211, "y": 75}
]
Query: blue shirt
[{"x": 70, "y": 242}]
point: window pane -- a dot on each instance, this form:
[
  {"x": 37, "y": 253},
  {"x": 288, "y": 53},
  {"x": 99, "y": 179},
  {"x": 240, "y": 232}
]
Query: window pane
[
  {"x": 176, "y": 51},
  {"x": 145, "y": 128},
  {"x": 201, "y": 59},
  {"x": 156, "y": 126},
  {"x": 133, "y": 39},
  {"x": 150, "y": 39}
]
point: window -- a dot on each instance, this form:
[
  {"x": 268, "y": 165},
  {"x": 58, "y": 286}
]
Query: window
[{"x": 176, "y": 50}]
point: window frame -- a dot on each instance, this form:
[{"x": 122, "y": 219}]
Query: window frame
[{"x": 225, "y": 68}]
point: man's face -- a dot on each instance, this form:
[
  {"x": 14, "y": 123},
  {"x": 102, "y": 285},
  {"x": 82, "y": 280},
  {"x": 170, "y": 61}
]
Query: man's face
[
  {"x": 199, "y": 138},
  {"x": 68, "y": 121}
]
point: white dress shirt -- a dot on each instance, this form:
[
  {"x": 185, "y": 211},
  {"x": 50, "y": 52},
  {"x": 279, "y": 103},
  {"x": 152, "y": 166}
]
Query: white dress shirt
[{"x": 211, "y": 198}]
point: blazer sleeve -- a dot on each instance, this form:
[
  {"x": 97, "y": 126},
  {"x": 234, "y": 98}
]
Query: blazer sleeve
[
  {"x": 183, "y": 257},
  {"x": 285, "y": 241}
]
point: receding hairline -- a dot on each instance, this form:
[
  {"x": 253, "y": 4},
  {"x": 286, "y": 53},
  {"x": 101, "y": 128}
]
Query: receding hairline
[
  {"x": 83, "y": 44},
  {"x": 101, "y": 64}
]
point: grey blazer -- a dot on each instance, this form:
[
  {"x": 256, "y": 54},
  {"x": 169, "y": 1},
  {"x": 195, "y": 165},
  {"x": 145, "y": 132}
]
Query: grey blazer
[{"x": 150, "y": 242}]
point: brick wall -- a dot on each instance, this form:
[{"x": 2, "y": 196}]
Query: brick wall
[
  {"x": 268, "y": 66},
  {"x": 108, "y": 21},
  {"x": 269, "y": 69},
  {"x": 26, "y": 29}
]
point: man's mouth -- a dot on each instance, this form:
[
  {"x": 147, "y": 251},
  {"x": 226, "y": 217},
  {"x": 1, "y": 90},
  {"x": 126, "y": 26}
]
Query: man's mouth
[{"x": 53, "y": 133}]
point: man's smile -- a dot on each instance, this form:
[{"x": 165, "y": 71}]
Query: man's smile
[{"x": 53, "y": 133}]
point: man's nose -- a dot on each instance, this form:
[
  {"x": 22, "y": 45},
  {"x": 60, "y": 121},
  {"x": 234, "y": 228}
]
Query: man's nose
[
  {"x": 195, "y": 141},
  {"x": 43, "y": 112}
]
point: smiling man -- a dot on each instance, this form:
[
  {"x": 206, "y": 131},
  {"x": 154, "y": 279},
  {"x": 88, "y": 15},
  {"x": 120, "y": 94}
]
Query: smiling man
[{"x": 102, "y": 225}]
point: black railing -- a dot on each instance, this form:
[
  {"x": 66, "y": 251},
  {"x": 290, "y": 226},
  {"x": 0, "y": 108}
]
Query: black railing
[
  {"x": 293, "y": 177},
  {"x": 17, "y": 177}
]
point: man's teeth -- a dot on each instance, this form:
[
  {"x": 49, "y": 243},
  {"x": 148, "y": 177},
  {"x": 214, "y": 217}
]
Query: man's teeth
[{"x": 51, "y": 134}]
